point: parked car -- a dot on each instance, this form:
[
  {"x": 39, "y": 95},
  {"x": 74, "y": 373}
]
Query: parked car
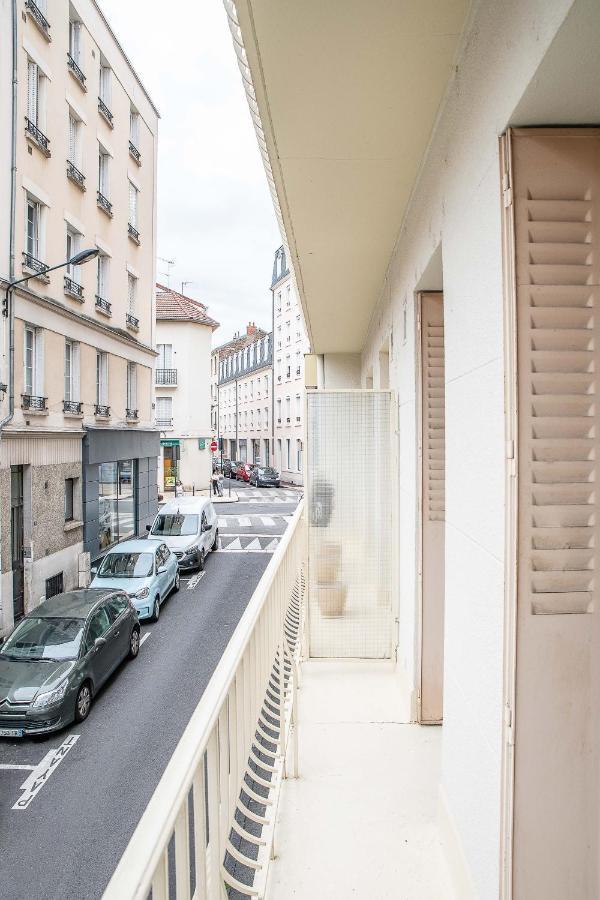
[
  {"x": 227, "y": 464},
  {"x": 235, "y": 468},
  {"x": 57, "y": 658},
  {"x": 188, "y": 526},
  {"x": 243, "y": 472},
  {"x": 265, "y": 476},
  {"x": 146, "y": 570}
]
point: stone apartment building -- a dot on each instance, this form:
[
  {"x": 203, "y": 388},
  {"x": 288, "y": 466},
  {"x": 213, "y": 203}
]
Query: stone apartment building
[
  {"x": 183, "y": 389},
  {"x": 245, "y": 392},
  {"x": 78, "y": 444}
]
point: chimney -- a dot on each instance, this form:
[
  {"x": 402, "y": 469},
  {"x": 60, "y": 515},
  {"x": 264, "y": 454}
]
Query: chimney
[{"x": 250, "y": 328}]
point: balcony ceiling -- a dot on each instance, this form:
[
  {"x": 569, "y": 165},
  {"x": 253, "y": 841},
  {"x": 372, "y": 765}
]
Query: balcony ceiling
[{"x": 348, "y": 94}]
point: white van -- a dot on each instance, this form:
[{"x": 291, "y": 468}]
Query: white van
[{"x": 188, "y": 526}]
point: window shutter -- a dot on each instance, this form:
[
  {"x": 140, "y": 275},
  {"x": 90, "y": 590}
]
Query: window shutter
[
  {"x": 39, "y": 363},
  {"x": 131, "y": 289},
  {"x": 32, "y": 92},
  {"x": 133, "y": 199},
  {"x": 72, "y": 140},
  {"x": 28, "y": 358},
  {"x": 75, "y": 362},
  {"x": 68, "y": 370}
]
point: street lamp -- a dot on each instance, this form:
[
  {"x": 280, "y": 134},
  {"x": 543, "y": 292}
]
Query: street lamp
[{"x": 79, "y": 259}]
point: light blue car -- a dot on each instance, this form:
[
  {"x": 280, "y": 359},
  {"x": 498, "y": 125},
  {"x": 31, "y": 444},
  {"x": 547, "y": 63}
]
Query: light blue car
[{"x": 145, "y": 569}]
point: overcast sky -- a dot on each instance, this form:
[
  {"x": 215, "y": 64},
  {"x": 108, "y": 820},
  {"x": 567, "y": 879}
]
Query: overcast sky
[{"x": 215, "y": 216}]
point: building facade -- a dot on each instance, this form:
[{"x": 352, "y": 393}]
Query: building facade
[
  {"x": 245, "y": 392},
  {"x": 183, "y": 390},
  {"x": 290, "y": 345},
  {"x": 78, "y": 446}
]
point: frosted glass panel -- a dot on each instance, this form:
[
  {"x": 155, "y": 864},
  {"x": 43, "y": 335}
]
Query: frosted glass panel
[{"x": 350, "y": 496}]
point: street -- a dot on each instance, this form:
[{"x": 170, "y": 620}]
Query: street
[{"x": 70, "y": 802}]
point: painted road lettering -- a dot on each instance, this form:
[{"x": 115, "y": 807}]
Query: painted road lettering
[{"x": 42, "y": 772}]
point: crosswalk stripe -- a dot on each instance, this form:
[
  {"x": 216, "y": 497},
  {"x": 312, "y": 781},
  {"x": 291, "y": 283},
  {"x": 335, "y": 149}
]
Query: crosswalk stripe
[
  {"x": 270, "y": 548},
  {"x": 267, "y": 520},
  {"x": 222, "y": 523},
  {"x": 244, "y": 521},
  {"x": 253, "y": 545}
]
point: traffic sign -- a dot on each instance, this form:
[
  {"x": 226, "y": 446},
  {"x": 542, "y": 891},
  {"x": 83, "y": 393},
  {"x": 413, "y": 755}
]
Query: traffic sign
[{"x": 213, "y": 446}]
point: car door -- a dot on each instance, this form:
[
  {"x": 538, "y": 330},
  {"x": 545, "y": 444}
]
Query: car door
[
  {"x": 170, "y": 561},
  {"x": 118, "y": 611},
  {"x": 100, "y": 657},
  {"x": 164, "y": 578}
]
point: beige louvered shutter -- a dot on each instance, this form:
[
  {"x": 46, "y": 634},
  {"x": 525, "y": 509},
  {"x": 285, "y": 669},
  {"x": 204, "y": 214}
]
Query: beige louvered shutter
[
  {"x": 32, "y": 92},
  {"x": 556, "y": 202},
  {"x": 433, "y": 505}
]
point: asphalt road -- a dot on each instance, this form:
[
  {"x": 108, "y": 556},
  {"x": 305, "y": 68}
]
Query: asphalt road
[{"x": 66, "y": 843}]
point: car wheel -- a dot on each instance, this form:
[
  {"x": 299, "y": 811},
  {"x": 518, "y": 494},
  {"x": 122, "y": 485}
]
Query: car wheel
[
  {"x": 216, "y": 540},
  {"x": 134, "y": 643},
  {"x": 176, "y": 582},
  {"x": 156, "y": 610},
  {"x": 202, "y": 561},
  {"x": 83, "y": 702}
]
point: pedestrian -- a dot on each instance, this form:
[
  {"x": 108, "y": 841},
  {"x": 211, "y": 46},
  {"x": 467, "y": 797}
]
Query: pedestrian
[
  {"x": 215, "y": 483},
  {"x": 179, "y": 488}
]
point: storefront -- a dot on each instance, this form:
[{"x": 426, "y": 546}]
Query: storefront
[
  {"x": 171, "y": 455},
  {"x": 120, "y": 494}
]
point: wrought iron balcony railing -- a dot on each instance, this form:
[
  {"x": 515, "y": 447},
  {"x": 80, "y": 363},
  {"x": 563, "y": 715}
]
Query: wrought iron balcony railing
[
  {"x": 75, "y": 175},
  {"x": 298, "y": 370},
  {"x": 133, "y": 151},
  {"x": 101, "y": 410},
  {"x": 297, "y": 418},
  {"x": 163, "y": 422},
  {"x": 105, "y": 112},
  {"x": 103, "y": 305},
  {"x": 74, "y": 407},
  {"x": 288, "y": 420},
  {"x": 74, "y": 68},
  {"x": 104, "y": 204},
  {"x": 131, "y": 414},
  {"x": 133, "y": 233},
  {"x": 30, "y": 262},
  {"x": 38, "y": 17},
  {"x": 165, "y": 377},
  {"x": 38, "y": 137},
  {"x": 73, "y": 289},
  {"x": 33, "y": 402},
  {"x": 131, "y": 321}
]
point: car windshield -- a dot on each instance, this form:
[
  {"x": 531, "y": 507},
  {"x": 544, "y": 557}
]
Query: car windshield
[
  {"x": 44, "y": 638},
  {"x": 126, "y": 565},
  {"x": 268, "y": 471},
  {"x": 175, "y": 525}
]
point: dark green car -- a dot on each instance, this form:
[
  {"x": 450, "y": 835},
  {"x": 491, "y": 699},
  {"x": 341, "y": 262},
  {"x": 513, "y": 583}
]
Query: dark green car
[{"x": 59, "y": 655}]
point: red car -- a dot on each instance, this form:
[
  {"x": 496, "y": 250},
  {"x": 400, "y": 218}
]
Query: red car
[{"x": 241, "y": 471}]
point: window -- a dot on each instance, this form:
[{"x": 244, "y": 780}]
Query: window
[
  {"x": 266, "y": 416},
  {"x": 288, "y": 457},
  {"x": 288, "y": 368},
  {"x": 298, "y": 407},
  {"x": 279, "y": 412},
  {"x": 131, "y": 387},
  {"x": 134, "y": 127},
  {"x": 116, "y": 606},
  {"x": 33, "y": 361},
  {"x": 32, "y": 228},
  {"x": 251, "y": 418},
  {"x": 54, "y": 586},
  {"x": 251, "y": 390},
  {"x": 74, "y": 140},
  {"x": 103, "y": 172},
  {"x": 164, "y": 411},
  {"x": 266, "y": 385},
  {"x": 35, "y": 79},
  {"x": 102, "y": 289},
  {"x": 258, "y": 425},
  {"x": 69, "y": 495},
  {"x": 288, "y": 296},
  {"x": 75, "y": 40},
  {"x": 116, "y": 502},
  {"x": 299, "y": 456},
  {"x": 99, "y": 625},
  {"x": 133, "y": 205},
  {"x": 288, "y": 408},
  {"x": 101, "y": 378},
  {"x": 71, "y": 371},
  {"x": 131, "y": 293},
  {"x": 73, "y": 247},
  {"x": 165, "y": 356},
  {"x": 105, "y": 85},
  {"x": 279, "y": 301}
]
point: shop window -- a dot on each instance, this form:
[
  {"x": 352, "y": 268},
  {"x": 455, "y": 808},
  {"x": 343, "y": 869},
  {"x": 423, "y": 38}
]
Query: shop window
[{"x": 116, "y": 499}]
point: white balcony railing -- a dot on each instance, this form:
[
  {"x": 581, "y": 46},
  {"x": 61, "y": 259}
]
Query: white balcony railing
[{"x": 212, "y": 815}]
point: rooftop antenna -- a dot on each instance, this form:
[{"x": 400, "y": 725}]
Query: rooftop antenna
[
  {"x": 170, "y": 263},
  {"x": 183, "y": 284}
]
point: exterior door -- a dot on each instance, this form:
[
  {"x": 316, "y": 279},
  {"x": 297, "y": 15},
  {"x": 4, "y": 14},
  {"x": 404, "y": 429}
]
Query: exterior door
[
  {"x": 552, "y": 235},
  {"x": 17, "y": 540},
  {"x": 432, "y": 506}
]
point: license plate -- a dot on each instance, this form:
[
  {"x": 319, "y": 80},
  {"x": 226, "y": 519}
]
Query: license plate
[{"x": 11, "y": 732}]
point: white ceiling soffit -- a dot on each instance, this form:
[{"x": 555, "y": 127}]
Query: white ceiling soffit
[{"x": 344, "y": 96}]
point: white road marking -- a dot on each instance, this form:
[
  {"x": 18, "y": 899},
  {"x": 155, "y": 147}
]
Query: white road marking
[
  {"x": 272, "y": 547},
  {"x": 235, "y": 545},
  {"x": 253, "y": 545},
  {"x": 145, "y": 637},
  {"x": 194, "y": 580},
  {"x": 42, "y": 772},
  {"x": 6, "y": 766},
  {"x": 244, "y": 521},
  {"x": 267, "y": 520},
  {"x": 222, "y": 521}
]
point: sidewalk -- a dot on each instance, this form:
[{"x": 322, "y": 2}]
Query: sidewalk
[{"x": 360, "y": 821}]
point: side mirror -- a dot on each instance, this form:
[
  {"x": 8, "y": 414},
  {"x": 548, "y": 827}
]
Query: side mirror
[
  {"x": 207, "y": 526},
  {"x": 148, "y": 527},
  {"x": 161, "y": 570},
  {"x": 94, "y": 570},
  {"x": 99, "y": 642}
]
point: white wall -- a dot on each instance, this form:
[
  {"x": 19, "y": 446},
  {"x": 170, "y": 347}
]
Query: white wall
[{"x": 457, "y": 203}]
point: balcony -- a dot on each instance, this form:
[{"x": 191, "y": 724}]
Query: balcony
[
  {"x": 132, "y": 322},
  {"x": 135, "y": 153},
  {"x": 33, "y": 403},
  {"x": 163, "y": 422},
  {"x": 132, "y": 415},
  {"x": 76, "y": 71},
  {"x": 39, "y": 19},
  {"x": 32, "y": 264},
  {"x": 133, "y": 233},
  {"x": 73, "y": 407},
  {"x": 73, "y": 289},
  {"x": 74, "y": 175},
  {"x": 297, "y": 418},
  {"x": 165, "y": 377},
  {"x": 37, "y": 137},
  {"x": 103, "y": 306},
  {"x": 105, "y": 112},
  {"x": 101, "y": 411},
  {"x": 104, "y": 204}
]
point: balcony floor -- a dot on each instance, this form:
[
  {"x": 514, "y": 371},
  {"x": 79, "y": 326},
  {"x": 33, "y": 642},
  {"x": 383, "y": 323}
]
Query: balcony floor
[{"x": 361, "y": 819}]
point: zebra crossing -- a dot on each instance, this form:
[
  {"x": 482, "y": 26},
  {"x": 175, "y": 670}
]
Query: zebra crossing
[
  {"x": 255, "y": 495},
  {"x": 252, "y": 520},
  {"x": 250, "y": 543}
]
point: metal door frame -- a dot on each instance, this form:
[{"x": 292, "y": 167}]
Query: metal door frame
[{"x": 18, "y": 471}]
